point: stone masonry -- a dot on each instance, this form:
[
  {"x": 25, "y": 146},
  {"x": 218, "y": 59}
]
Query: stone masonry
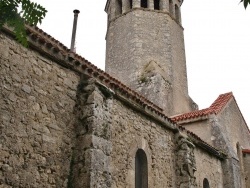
[
  {"x": 246, "y": 163},
  {"x": 145, "y": 49},
  {"x": 36, "y": 118},
  {"x": 62, "y": 129},
  {"x": 65, "y": 123}
]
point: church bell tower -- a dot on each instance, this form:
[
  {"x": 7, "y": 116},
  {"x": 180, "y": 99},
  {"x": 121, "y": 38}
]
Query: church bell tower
[{"x": 145, "y": 50}]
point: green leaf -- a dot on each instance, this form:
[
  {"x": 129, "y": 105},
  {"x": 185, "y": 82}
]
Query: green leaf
[
  {"x": 31, "y": 13},
  {"x": 245, "y": 3}
]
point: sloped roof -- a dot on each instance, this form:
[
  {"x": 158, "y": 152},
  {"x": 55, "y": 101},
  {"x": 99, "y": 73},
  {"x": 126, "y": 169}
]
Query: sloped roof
[
  {"x": 81, "y": 65},
  {"x": 198, "y": 141},
  {"x": 52, "y": 48},
  {"x": 215, "y": 108},
  {"x": 246, "y": 151}
]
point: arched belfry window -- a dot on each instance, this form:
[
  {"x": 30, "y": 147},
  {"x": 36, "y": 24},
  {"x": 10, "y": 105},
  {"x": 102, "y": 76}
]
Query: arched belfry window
[
  {"x": 157, "y": 4},
  {"x": 171, "y": 7},
  {"x": 177, "y": 13},
  {"x": 141, "y": 169},
  {"x": 205, "y": 183},
  {"x": 144, "y": 3}
]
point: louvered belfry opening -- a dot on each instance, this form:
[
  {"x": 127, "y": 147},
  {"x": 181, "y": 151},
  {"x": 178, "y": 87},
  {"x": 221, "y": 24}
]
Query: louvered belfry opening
[
  {"x": 177, "y": 13},
  {"x": 157, "y": 4},
  {"x": 118, "y": 7},
  {"x": 144, "y": 3}
]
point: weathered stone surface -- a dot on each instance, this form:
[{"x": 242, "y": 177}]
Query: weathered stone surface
[
  {"x": 208, "y": 167},
  {"x": 91, "y": 159},
  {"x": 26, "y": 88},
  {"x": 131, "y": 131},
  {"x": 62, "y": 129},
  {"x": 140, "y": 37},
  {"x": 225, "y": 131},
  {"x": 185, "y": 162},
  {"x": 35, "y": 146},
  {"x": 246, "y": 163}
]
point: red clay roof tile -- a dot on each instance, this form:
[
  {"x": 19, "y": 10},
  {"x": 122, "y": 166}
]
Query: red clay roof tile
[
  {"x": 246, "y": 151},
  {"x": 215, "y": 108}
]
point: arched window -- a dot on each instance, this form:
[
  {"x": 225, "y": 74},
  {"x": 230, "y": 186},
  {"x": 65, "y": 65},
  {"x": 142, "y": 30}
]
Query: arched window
[
  {"x": 118, "y": 7},
  {"x": 171, "y": 7},
  {"x": 144, "y": 3},
  {"x": 205, "y": 183},
  {"x": 141, "y": 169},
  {"x": 131, "y": 4},
  {"x": 157, "y": 4},
  {"x": 177, "y": 13}
]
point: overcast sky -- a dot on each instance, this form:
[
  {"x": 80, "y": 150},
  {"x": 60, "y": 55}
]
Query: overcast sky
[{"x": 217, "y": 41}]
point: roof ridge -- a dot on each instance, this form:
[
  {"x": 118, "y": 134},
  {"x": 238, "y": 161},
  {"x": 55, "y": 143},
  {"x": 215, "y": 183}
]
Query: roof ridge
[
  {"x": 220, "y": 102},
  {"x": 215, "y": 108},
  {"x": 203, "y": 144}
]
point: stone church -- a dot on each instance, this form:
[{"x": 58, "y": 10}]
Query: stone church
[{"x": 66, "y": 123}]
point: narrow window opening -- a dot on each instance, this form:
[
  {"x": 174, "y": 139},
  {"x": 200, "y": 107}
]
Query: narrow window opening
[
  {"x": 144, "y": 3},
  {"x": 177, "y": 13},
  {"x": 131, "y": 4},
  {"x": 205, "y": 183},
  {"x": 171, "y": 7},
  {"x": 118, "y": 7},
  {"x": 157, "y": 4},
  {"x": 141, "y": 169}
]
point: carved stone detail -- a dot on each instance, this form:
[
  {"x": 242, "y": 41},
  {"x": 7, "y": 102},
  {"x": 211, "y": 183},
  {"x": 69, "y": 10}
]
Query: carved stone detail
[{"x": 185, "y": 162}]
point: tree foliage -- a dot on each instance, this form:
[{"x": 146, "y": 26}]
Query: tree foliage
[
  {"x": 245, "y": 2},
  {"x": 16, "y": 13}
]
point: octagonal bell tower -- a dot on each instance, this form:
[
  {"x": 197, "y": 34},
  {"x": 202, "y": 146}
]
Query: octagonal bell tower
[{"x": 145, "y": 50}]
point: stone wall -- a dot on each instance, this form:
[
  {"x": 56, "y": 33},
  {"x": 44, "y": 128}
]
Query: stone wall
[
  {"x": 202, "y": 128},
  {"x": 110, "y": 132},
  {"x": 234, "y": 127},
  {"x": 92, "y": 153},
  {"x": 229, "y": 129},
  {"x": 36, "y": 118},
  {"x": 131, "y": 131},
  {"x": 181, "y": 101},
  {"x": 208, "y": 167},
  {"x": 58, "y": 130},
  {"x": 224, "y": 131},
  {"x": 185, "y": 161},
  {"x": 246, "y": 162},
  {"x": 145, "y": 50},
  {"x": 62, "y": 130}
]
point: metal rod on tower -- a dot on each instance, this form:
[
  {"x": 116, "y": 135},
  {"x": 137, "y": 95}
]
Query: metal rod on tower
[{"x": 72, "y": 47}]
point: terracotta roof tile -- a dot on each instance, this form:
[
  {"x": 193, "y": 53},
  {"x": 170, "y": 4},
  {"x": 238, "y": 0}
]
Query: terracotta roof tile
[
  {"x": 84, "y": 66},
  {"x": 215, "y": 108},
  {"x": 246, "y": 151}
]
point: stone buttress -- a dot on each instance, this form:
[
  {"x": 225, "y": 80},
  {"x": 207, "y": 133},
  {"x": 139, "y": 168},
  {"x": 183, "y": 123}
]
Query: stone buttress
[{"x": 90, "y": 166}]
